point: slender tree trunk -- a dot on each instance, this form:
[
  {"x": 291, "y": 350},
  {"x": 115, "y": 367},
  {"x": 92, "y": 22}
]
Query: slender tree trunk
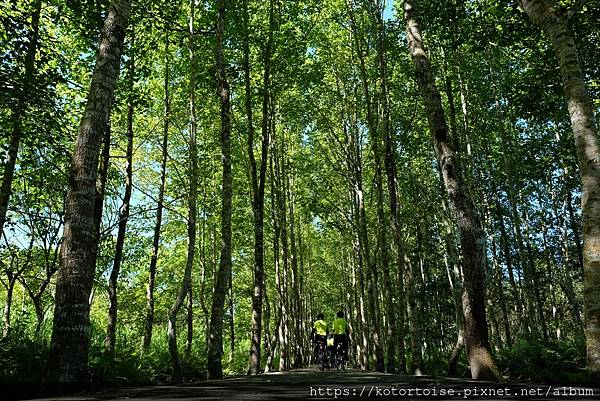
[
  {"x": 268, "y": 344},
  {"x": 192, "y": 208},
  {"x": 552, "y": 280},
  {"x": 555, "y": 26},
  {"x": 203, "y": 274},
  {"x": 285, "y": 332},
  {"x": 362, "y": 261},
  {"x": 498, "y": 275},
  {"x": 8, "y": 305},
  {"x": 231, "y": 319},
  {"x": 258, "y": 183},
  {"x": 455, "y": 282},
  {"x": 215, "y": 339},
  {"x": 565, "y": 278},
  {"x": 68, "y": 357},
  {"x": 390, "y": 167},
  {"x": 20, "y": 113},
  {"x": 381, "y": 253},
  {"x": 275, "y": 188},
  {"x": 471, "y": 232},
  {"x": 190, "y": 323},
  {"x": 504, "y": 242},
  {"x": 575, "y": 229},
  {"x": 297, "y": 343},
  {"x": 539, "y": 303},
  {"x": 111, "y": 330},
  {"x": 159, "y": 206},
  {"x": 413, "y": 318}
]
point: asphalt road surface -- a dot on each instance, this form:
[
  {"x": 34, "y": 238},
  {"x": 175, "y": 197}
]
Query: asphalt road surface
[{"x": 313, "y": 384}]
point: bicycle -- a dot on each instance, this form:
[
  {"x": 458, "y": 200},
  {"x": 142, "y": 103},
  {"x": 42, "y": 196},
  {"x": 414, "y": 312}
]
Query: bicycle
[
  {"x": 339, "y": 358},
  {"x": 321, "y": 354}
]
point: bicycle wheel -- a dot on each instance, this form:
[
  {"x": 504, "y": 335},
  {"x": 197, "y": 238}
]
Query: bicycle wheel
[{"x": 321, "y": 358}]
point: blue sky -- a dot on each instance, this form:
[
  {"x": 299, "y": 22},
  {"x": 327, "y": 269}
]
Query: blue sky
[{"x": 388, "y": 11}]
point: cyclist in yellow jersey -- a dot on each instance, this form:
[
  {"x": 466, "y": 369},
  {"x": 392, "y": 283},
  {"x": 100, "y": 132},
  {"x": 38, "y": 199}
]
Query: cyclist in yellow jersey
[
  {"x": 319, "y": 332},
  {"x": 341, "y": 333}
]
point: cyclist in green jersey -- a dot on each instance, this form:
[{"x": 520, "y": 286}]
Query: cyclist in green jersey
[{"x": 341, "y": 333}]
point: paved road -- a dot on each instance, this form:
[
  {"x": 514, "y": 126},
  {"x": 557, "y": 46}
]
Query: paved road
[{"x": 313, "y": 384}]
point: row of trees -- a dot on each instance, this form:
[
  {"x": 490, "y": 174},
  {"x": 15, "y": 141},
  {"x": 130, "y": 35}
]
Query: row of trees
[{"x": 320, "y": 172}]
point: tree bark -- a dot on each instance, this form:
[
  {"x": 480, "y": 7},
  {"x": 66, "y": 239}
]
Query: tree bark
[
  {"x": 215, "y": 339},
  {"x": 581, "y": 111},
  {"x": 68, "y": 357},
  {"x": 471, "y": 232}
]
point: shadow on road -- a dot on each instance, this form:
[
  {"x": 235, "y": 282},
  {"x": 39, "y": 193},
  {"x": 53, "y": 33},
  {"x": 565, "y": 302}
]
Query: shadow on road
[{"x": 314, "y": 384}]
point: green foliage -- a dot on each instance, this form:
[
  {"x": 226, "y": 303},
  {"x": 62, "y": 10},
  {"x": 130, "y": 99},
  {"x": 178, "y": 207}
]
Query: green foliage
[
  {"x": 131, "y": 365},
  {"x": 23, "y": 353},
  {"x": 554, "y": 362}
]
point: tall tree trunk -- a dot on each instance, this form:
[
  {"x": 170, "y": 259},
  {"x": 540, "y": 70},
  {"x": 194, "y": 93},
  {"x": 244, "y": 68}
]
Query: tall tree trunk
[
  {"x": 471, "y": 232},
  {"x": 68, "y": 357},
  {"x": 455, "y": 281},
  {"x": 295, "y": 280},
  {"x": 390, "y": 167},
  {"x": 192, "y": 207},
  {"x": 275, "y": 195},
  {"x": 258, "y": 182},
  {"x": 215, "y": 338},
  {"x": 159, "y": 206},
  {"x": 362, "y": 251},
  {"x": 555, "y": 26},
  {"x": 111, "y": 329},
  {"x": 285, "y": 307},
  {"x": 20, "y": 113},
  {"x": 381, "y": 253}
]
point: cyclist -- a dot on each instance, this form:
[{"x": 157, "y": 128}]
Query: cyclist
[
  {"x": 319, "y": 333},
  {"x": 341, "y": 333}
]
